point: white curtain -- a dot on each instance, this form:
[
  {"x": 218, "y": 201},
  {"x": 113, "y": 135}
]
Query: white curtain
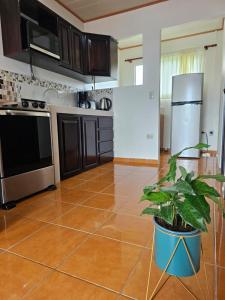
[{"x": 191, "y": 61}]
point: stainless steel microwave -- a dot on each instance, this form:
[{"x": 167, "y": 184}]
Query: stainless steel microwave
[{"x": 41, "y": 39}]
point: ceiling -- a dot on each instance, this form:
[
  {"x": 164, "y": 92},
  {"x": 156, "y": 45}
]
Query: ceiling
[
  {"x": 131, "y": 41},
  {"x": 176, "y": 32},
  {"x": 87, "y": 10},
  {"x": 191, "y": 28}
]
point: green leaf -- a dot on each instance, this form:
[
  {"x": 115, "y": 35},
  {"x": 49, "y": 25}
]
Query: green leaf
[
  {"x": 168, "y": 189},
  {"x": 200, "y": 204},
  {"x": 151, "y": 211},
  {"x": 201, "y": 146},
  {"x": 190, "y": 176},
  {"x": 156, "y": 197},
  {"x": 214, "y": 199},
  {"x": 202, "y": 188},
  {"x": 150, "y": 188},
  {"x": 183, "y": 187},
  {"x": 183, "y": 171},
  {"x": 217, "y": 177},
  {"x": 190, "y": 215},
  {"x": 171, "y": 174},
  {"x": 167, "y": 213}
]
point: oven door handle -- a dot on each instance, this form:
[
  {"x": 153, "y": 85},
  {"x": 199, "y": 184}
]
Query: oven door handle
[{"x": 24, "y": 113}]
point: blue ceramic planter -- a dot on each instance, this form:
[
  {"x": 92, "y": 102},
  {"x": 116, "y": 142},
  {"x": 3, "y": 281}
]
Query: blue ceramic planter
[{"x": 165, "y": 242}]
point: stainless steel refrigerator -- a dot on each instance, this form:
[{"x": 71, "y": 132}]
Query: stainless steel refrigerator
[{"x": 187, "y": 97}]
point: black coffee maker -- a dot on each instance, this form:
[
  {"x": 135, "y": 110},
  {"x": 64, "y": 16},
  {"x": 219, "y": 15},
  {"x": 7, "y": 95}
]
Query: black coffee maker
[{"x": 83, "y": 100}]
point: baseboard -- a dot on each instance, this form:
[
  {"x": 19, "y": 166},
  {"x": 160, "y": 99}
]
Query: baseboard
[
  {"x": 136, "y": 161},
  {"x": 212, "y": 153}
]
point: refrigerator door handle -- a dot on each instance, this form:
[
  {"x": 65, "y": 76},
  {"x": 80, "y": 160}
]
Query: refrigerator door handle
[{"x": 186, "y": 102}]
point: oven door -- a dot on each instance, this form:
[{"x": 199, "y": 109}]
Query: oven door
[{"x": 25, "y": 139}]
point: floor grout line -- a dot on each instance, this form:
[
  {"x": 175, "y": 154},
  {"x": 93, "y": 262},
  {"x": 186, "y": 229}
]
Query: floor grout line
[
  {"x": 131, "y": 273},
  {"x": 28, "y": 236},
  {"x": 89, "y": 235},
  {"x": 100, "y": 235},
  {"x": 55, "y": 269}
]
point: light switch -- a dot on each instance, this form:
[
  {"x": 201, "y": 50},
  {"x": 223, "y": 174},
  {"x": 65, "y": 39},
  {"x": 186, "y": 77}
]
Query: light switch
[{"x": 151, "y": 95}]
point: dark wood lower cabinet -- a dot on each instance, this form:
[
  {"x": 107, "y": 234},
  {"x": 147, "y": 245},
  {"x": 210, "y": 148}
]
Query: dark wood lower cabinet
[
  {"x": 70, "y": 145},
  {"x": 84, "y": 142},
  {"x": 90, "y": 142},
  {"x": 105, "y": 139}
]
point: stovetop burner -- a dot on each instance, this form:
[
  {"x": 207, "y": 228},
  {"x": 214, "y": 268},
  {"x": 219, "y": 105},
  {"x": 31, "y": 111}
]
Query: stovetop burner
[{"x": 26, "y": 104}]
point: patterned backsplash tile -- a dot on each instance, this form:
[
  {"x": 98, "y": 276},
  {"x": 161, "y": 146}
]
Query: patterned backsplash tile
[
  {"x": 98, "y": 94},
  {"x": 10, "y": 85}
]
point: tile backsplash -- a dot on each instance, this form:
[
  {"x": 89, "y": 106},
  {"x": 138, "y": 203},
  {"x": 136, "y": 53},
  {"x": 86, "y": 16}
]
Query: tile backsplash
[
  {"x": 98, "y": 94},
  {"x": 13, "y": 86}
]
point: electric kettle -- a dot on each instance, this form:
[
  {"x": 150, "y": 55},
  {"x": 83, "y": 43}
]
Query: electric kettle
[{"x": 105, "y": 104}]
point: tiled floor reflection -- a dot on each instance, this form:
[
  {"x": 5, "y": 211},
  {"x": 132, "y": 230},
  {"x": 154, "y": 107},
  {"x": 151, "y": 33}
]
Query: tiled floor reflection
[{"x": 87, "y": 240}]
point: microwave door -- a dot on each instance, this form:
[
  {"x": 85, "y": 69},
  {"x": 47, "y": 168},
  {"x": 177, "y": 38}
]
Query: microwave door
[
  {"x": 42, "y": 50},
  {"x": 41, "y": 40}
]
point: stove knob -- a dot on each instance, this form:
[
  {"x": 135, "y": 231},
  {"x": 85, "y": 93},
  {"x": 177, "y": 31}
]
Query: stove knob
[
  {"x": 35, "y": 104},
  {"x": 42, "y": 105},
  {"x": 25, "y": 104}
]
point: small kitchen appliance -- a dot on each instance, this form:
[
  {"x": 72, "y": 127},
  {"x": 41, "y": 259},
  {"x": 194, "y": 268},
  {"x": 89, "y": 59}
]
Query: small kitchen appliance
[
  {"x": 83, "y": 101},
  {"x": 26, "y": 159},
  {"x": 105, "y": 104}
]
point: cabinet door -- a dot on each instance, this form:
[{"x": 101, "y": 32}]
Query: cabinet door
[
  {"x": 70, "y": 147},
  {"x": 76, "y": 49},
  {"x": 105, "y": 139},
  {"x": 90, "y": 142},
  {"x": 98, "y": 55},
  {"x": 64, "y": 41}
]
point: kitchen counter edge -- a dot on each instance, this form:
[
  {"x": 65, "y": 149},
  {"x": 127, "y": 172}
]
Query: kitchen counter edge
[{"x": 79, "y": 111}]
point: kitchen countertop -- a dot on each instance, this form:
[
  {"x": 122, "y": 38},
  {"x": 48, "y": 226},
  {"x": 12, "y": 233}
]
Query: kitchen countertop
[{"x": 79, "y": 111}]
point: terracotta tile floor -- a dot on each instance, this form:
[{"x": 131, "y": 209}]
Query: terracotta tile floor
[{"x": 87, "y": 240}]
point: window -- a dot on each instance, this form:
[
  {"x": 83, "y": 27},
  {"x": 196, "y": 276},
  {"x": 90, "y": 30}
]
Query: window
[
  {"x": 139, "y": 75},
  {"x": 191, "y": 61}
]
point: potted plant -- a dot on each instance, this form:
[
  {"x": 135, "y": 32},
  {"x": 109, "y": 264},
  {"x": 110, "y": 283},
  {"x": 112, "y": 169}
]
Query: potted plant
[{"x": 181, "y": 212}]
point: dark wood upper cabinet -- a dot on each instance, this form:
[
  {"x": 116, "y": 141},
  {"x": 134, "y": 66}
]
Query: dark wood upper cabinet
[
  {"x": 101, "y": 55},
  {"x": 77, "y": 49},
  {"x": 65, "y": 38},
  {"x": 70, "y": 145},
  {"x": 71, "y": 46},
  {"x": 98, "y": 55},
  {"x": 90, "y": 141},
  {"x": 81, "y": 56}
]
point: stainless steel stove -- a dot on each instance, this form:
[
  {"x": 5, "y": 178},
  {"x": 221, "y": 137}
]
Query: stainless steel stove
[{"x": 26, "y": 160}]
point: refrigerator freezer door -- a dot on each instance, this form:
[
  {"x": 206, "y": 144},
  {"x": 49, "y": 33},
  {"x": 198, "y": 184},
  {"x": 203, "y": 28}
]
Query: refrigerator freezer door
[
  {"x": 187, "y": 87},
  {"x": 185, "y": 129}
]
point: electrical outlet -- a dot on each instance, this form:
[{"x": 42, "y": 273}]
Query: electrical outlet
[
  {"x": 211, "y": 133},
  {"x": 149, "y": 136}
]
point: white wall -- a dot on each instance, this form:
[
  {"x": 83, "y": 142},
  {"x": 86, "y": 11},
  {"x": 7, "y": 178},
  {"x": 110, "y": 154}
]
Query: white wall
[
  {"x": 128, "y": 103},
  {"x": 127, "y": 69},
  {"x": 149, "y": 22},
  {"x": 23, "y": 68},
  {"x": 222, "y": 102},
  {"x": 212, "y": 77}
]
